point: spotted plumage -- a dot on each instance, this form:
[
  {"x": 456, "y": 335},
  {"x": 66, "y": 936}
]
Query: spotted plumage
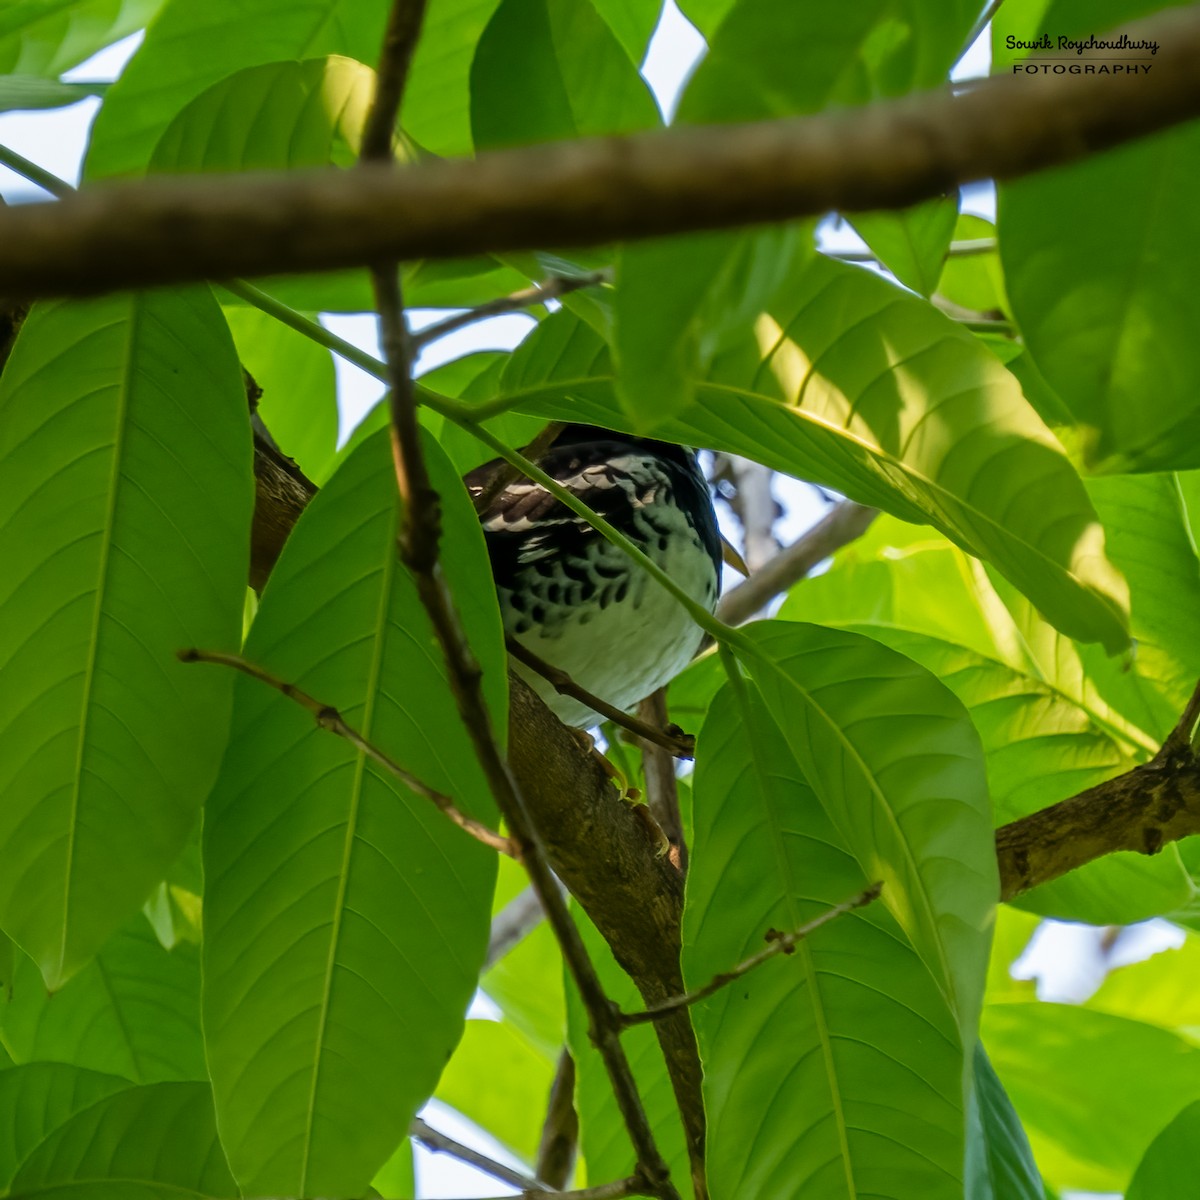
[{"x": 577, "y": 601}]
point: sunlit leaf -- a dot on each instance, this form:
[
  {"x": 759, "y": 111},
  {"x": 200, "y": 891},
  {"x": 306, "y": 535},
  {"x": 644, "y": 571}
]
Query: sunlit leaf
[
  {"x": 134, "y": 1011},
  {"x": 125, "y": 451},
  {"x": 545, "y": 71},
  {"x": 36, "y": 1099},
  {"x": 975, "y": 281},
  {"x": 855, "y": 385},
  {"x": 1116, "y": 1083},
  {"x": 836, "y": 1071},
  {"x": 911, "y": 243},
  {"x": 145, "y": 1142},
  {"x": 19, "y": 92},
  {"x": 892, "y": 756},
  {"x": 345, "y": 917},
  {"x": 1159, "y": 990},
  {"x": 48, "y": 37},
  {"x": 633, "y": 21}
]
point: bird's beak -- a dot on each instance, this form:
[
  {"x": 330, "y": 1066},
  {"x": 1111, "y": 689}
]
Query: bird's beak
[{"x": 732, "y": 558}]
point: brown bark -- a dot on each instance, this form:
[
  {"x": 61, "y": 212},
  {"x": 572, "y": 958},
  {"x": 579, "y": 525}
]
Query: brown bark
[{"x": 589, "y": 192}]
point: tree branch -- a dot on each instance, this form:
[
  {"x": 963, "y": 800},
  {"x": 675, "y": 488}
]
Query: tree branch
[
  {"x": 662, "y": 787},
  {"x": 780, "y": 943},
  {"x": 328, "y": 718},
  {"x": 560, "y": 1130},
  {"x": 512, "y": 924},
  {"x": 432, "y": 1139},
  {"x": 838, "y": 528},
  {"x": 888, "y": 155}
]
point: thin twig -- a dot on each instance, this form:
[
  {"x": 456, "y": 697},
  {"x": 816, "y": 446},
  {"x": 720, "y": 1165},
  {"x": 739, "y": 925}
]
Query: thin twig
[
  {"x": 560, "y": 1130},
  {"x": 618, "y": 1190},
  {"x": 681, "y": 745},
  {"x": 328, "y": 718},
  {"x": 419, "y": 536},
  {"x": 781, "y": 943},
  {"x": 1180, "y": 739},
  {"x": 399, "y": 43},
  {"x": 662, "y": 788},
  {"x": 985, "y": 19},
  {"x": 440, "y": 1143},
  {"x": 553, "y": 288},
  {"x": 504, "y": 473},
  {"x": 967, "y": 248},
  {"x": 839, "y": 527}
]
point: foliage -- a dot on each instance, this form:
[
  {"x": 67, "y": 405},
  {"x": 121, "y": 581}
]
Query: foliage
[{"x": 1017, "y": 627}]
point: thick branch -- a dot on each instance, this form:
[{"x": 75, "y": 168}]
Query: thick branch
[{"x": 584, "y": 193}]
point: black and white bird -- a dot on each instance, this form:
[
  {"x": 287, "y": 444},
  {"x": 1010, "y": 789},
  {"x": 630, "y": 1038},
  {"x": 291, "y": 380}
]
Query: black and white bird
[{"x": 578, "y": 602}]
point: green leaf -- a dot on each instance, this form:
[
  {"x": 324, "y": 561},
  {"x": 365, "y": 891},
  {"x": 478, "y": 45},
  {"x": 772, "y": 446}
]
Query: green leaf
[
  {"x": 911, "y": 243},
  {"x": 759, "y": 66},
  {"x": 857, "y": 386},
  {"x": 395, "y": 1178},
  {"x": 1159, "y": 990},
  {"x": 345, "y": 917},
  {"x": 1168, "y": 1170},
  {"x": 633, "y": 21},
  {"x": 1046, "y": 737},
  {"x": 546, "y": 71},
  {"x": 1105, "y": 300},
  {"x": 603, "y": 1138},
  {"x": 36, "y": 1099},
  {"x": 675, "y": 302},
  {"x": 48, "y": 37},
  {"x": 894, "y": 760},
  {"x": 299, "y": 392},
  {"x": 124, "y": 521},
  {"x": 975, "y": 281},
  {"x": 1000, "y": 1163},
  {"x": 513, "y": 1110},
  {"x": 139, "y": 1144},
  {"x": 271, "y": 117},
  {"x": 134, "y": 1011},
  {"x": 1144, "y": 1076},
  {"x": 806, "y": 1057},
  {"x": 19, "y": 92}
]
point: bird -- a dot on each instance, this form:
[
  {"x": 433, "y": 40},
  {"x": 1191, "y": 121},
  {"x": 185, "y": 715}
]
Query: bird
[{"x": 578, "y": 602}]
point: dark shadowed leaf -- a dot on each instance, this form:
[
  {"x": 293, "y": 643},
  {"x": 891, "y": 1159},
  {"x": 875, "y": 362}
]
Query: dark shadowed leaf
[
  {"x": 1168, "y": 1170},
  {"x": 1000, "y": 1163}
]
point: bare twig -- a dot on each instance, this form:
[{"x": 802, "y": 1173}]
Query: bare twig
[
  {"x": 328, "y": 718},
  {"x": 780, "y": 943},
  {"x": 633, "y": 1186},
  {"x": 399, "y": 43},
  {"x": 419, "y": 536},
  {"x": 753, "y": 504},
  {"x": 560, "y": 1130},
  {"x": 504, "y": 473},
  {"x": 886, "y": 155},
  {"x": 440, "y": 1143},
  {"x": 512, "y": 924},
  {"x": 658, "y": 768},
  {"x": 838, "y": 528},
  {"x": 553, "y": 288},
  {"x": 985, "y": 19},
  {"x": 967, "y": 248},
  {"x": 681, "y": 745}
]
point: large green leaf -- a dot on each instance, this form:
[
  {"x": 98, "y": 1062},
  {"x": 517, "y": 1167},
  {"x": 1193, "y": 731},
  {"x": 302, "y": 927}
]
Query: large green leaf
[
  {"x": 545, "y": 71},
  {"x": 1092, "y": 1089},
  {"x": 898, "y": 768},
  {"x": 345, "y": 917},
  {"x": 759, "y": 66},
  {"x": 1160, "y": 990},
  {"x": 36, "y": 1099},
  {"x": 1105, "y": 301},
  {"x": 1000, "y": 1163},
  {"x": 858, "y": 386},
  {"x": 192, "y": 46},
  {"x": 975, "y": 281},
  {"x": 836, "y": 1072},
  {"x": 1168, "y": 1170},
  {"x": 144, "y": 1143},
  {"x": 1046, "y": 735},
  {"x": 603, "y": 1137},
  {"x": 48, "y": 37},
  {"x": 134, "y": 1011},
  {"x": 124, "y": 520},
  {"x": 633, "y": 21},
  {"x": 270, "y": 117},
  {"x": 911, "y": 243}
]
